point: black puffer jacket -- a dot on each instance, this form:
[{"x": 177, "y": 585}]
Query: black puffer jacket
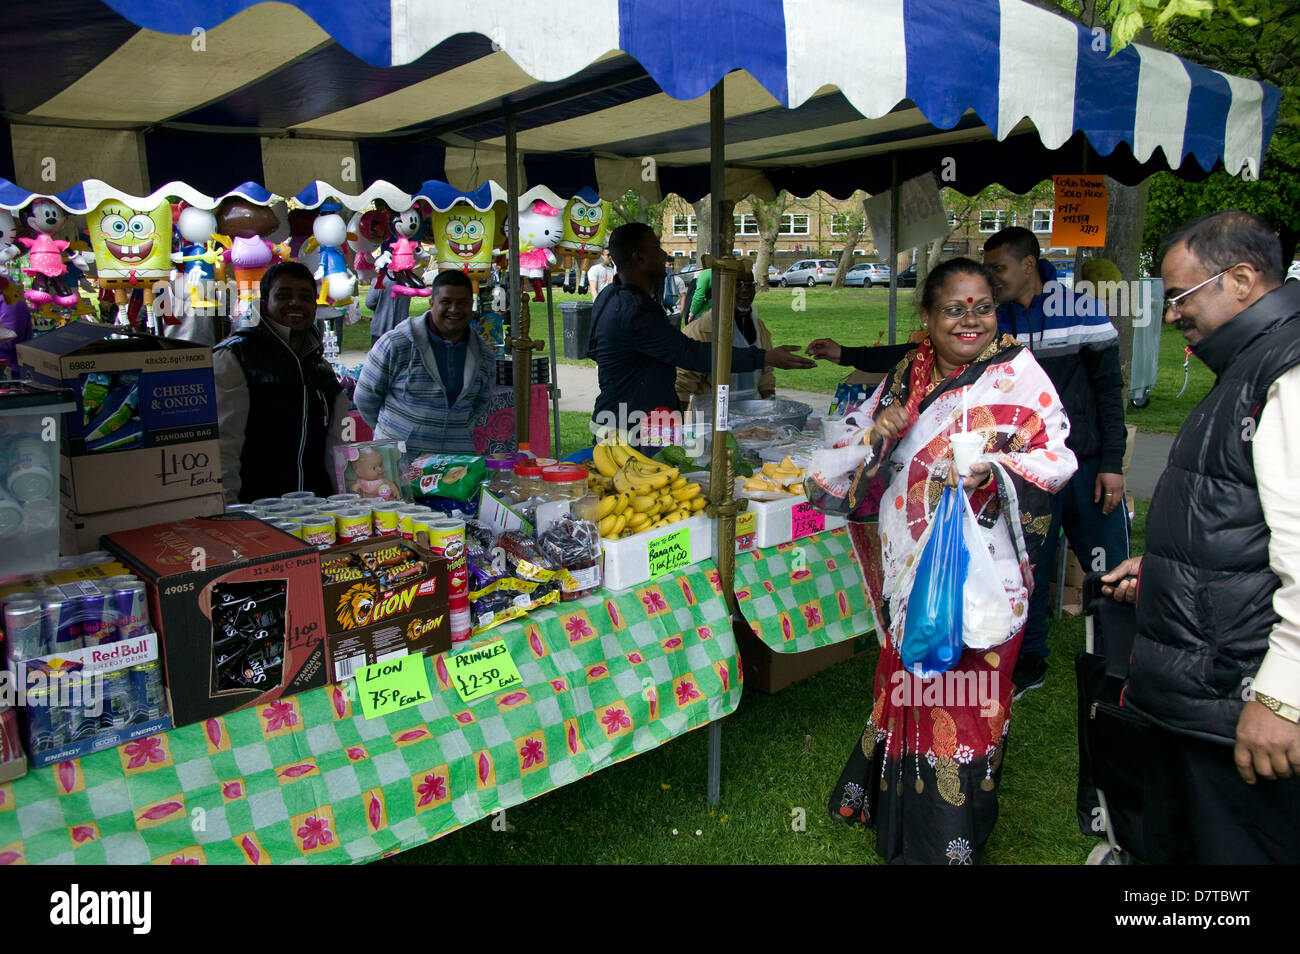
[
  {"x": 1205, "y": 600},
  {"x": 290, "y": 399}
]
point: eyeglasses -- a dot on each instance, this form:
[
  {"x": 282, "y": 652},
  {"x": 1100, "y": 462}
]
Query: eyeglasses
[
  {"x": 740, "y": 285},
  {"x": 958, "y": 312},
  {"x": 1176, "y": 301}
]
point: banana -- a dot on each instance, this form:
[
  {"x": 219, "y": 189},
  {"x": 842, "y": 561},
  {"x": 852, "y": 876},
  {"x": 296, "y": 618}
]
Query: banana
[
  {"x": 619, "y": 454},
  {"x": 643, "y": 502},
  {"x": 606, "y": 506},
  {"x": 623, "y": 482},
  {"x": 678, "y": 484},
  {"x": 604, "y": 463},
  {"x": 698, "y": 504},
  {"x": 673, "y": 517},
  {"x": 638, "y": 522},
  {"x": 636, "y": 455},
  {"x": 644, "y": 479},
  {"x": 607, "y": 525},
  {"x": 621, "y": 524},
  {"x": 686, "y": 492}
]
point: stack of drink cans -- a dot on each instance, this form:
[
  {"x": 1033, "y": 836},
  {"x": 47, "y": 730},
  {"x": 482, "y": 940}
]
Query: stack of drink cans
[{"x": 67, "y": 704}]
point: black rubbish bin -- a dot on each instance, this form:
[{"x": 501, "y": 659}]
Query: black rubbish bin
[{"x": 577, "y": 327}]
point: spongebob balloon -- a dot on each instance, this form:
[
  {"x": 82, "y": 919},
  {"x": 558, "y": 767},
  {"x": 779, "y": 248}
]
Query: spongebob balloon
[
  {"x": 465, "y": 238},
  {"x": 586, "y": 222},
  {"x": 132, "y": 248}
]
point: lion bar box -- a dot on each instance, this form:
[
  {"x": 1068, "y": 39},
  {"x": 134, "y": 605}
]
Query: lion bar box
[
  {"x": 237, "y": 606},
  {"x": 385, "y": 598}
]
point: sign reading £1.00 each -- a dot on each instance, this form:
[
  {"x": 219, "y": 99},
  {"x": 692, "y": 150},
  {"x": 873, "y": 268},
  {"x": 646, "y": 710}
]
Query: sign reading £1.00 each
[
  {"x": 804, "y": 520},
  {"x": 1079, "y": 217},
  {"x": 391, "y": 685},
  {"x": 670, "y": 552},
  {"x": 483, "y": 670}
]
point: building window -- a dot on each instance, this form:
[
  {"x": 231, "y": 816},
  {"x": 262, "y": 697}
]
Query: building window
[
  {"x": 745, "y": 224},
  {"x": 753, "y": 252},
  {"x": 795, "y": 224},
  {"x": 1042, "y": 220},
  {"x": 684, "y": 225},
  {"x": 994, "y": 220},
  {"x": 842, "y": 223},
  {"x": 952, "y": 220},
  {"x": 679, "y": 254},
  {"x": 859, "y": 251}
]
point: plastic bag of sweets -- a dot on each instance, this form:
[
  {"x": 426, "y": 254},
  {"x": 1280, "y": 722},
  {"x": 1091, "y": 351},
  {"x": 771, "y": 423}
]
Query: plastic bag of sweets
[
  {"x": 525, "y": 559},
  {"x": 575, "y": 545},
  {"x": 453, "y": 476},
  {"x": 248, "y": 636}
]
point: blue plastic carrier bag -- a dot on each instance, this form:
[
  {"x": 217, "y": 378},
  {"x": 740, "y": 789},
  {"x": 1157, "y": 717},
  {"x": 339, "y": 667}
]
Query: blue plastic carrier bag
[{"x": 932, "y": 633}]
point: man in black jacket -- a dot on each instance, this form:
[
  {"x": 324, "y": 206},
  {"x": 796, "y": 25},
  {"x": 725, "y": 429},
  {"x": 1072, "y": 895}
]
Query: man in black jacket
[
  {"x": 1216, "y": 660},
  {"x": 279, "y": 404},
  {"x": 1071, "y": 337},
  {"x": 637, "y": 350}
]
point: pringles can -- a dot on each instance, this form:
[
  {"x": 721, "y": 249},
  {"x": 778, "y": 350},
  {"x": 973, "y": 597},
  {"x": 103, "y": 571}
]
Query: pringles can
[{"x": 447, "y": 540}]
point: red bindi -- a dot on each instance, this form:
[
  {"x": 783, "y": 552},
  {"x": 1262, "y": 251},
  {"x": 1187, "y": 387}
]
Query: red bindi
[{"x": 969, "y": 300}]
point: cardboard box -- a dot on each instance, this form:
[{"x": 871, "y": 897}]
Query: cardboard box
[
  {"x": 367, "y": 622},
  {"x": 1073, "y": 571},
  {"x": 81, "y": 532},
  {"x": 163, "y": 443},
  {"x": 185, "y": 565},
  {"x": 768, "y": 671}
]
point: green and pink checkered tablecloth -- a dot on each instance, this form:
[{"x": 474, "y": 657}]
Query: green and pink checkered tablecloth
[
  {"x": 802, "y": 595},
  {"x": 308, "y": 779}
]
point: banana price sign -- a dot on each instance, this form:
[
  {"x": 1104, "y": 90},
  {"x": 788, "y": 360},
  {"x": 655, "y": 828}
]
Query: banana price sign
[{"x": 670, "y": 552}]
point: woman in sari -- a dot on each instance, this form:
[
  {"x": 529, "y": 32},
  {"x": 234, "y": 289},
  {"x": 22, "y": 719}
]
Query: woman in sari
[{"x": 926, "y": 769}]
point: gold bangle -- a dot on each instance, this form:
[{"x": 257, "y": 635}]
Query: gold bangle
[{"x": 1277, "y": 707}]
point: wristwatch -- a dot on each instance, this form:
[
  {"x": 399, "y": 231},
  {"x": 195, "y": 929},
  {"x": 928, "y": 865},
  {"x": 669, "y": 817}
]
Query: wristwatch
[{"x": 1288, "y": 712}]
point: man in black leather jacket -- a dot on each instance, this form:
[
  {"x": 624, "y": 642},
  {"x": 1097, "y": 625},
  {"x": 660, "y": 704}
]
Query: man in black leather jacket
[{"x": 1215, "y": 665}]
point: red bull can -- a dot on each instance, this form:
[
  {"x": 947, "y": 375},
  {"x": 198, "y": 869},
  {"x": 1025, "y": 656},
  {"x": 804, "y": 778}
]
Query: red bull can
[
  {"x": 148, "y": 698},
  {"x": 117, "y": 693},
  {"x": 83, "y": 713},
  {"x": 47, "y": 722},
  {"x": 128, "y": 606},
  {"x": 24, "y": 626}
]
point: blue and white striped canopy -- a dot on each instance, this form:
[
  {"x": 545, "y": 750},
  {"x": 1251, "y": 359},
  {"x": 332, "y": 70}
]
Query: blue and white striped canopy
[{"x": 819, "y": 93}]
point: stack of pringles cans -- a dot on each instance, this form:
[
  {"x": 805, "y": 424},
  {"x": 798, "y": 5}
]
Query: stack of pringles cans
[
  {"x": 347, "y": 518},
  {"x": 342, "y": 518},
  {"x": 85, "y": 657}
]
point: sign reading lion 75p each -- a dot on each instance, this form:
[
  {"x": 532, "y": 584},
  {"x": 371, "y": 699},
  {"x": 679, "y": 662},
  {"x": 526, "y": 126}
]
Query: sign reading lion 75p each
[
  {"x": 586, "y": 225},
  {"x": 131, "y": 245},
  {"x": 465, "y": 237}
]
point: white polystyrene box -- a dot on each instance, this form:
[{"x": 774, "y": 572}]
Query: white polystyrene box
[{"x": 627, "y": 560}]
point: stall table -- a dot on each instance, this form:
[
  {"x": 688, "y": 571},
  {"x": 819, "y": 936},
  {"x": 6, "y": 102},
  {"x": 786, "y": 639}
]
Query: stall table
[{"x": 309, "y": 779}]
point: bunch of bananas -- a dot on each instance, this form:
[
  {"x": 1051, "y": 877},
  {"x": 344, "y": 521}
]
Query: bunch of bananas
[
  {"x": 637, "y": 493},
  {"x": 782, "y": 478}
]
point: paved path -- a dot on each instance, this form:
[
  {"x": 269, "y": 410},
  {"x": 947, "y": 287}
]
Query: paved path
[{"x": 578, "y": 392}]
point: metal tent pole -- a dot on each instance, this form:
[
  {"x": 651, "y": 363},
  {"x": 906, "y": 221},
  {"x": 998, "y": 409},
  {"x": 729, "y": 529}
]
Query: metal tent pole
[
  {"x": 722, "y": 470},
  {"x": 555, "y": 369},
  {"x": 893, "y": 247}
]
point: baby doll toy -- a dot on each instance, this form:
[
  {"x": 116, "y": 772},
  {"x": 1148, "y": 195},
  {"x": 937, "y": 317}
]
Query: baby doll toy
[{"x": 372, "y": 477}]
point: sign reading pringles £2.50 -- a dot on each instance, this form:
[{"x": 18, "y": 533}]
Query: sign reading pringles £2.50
[
  {"x": 130, "y": 244},
  {"x": 465, "y": 238}
]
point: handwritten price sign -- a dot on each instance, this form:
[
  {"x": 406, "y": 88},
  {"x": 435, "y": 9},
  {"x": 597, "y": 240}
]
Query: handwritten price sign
[
  {"x": 396, "y": 684},
  {"x": 670, "y": 552},
  {"x": 804, "y": 520},
  {"x": 484, "y": 671},
  {"x": 1079, "y": 217}
]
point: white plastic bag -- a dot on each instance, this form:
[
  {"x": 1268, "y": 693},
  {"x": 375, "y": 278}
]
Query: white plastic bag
[{"x": 986, "y": 610}]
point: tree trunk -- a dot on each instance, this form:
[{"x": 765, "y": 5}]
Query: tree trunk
[
  {"x": 703, "y": 227},
  {"x": 728, "y": 227},
  {"x": 768, "y": 216},
  {"x": 856, "y": 228},
  {"x": 1125, "y": 218}
]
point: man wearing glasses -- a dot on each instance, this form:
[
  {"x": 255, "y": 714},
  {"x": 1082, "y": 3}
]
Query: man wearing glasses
[
  {"x": 1216, "y": 660},
  {"x": 1071, "y": 337}
]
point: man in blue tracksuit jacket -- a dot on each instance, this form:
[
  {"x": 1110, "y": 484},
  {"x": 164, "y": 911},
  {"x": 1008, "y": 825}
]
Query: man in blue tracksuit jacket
[{"x": 1075, "y": 342}]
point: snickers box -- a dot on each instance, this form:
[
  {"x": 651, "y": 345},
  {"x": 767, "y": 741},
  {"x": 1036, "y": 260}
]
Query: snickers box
[
  {"x": 384, "y": 598},
  {"x": 237, "y": 606}
]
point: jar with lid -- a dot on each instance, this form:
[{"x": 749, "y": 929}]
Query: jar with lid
[
  {"x": 528, "y": 475},
  {"x": 501, "y": 480},
  {"x": 569, "y": 482}
]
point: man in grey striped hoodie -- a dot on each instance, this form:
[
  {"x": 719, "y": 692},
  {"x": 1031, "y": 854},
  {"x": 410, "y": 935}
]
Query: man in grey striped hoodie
[{"x": 429, "y": 380}]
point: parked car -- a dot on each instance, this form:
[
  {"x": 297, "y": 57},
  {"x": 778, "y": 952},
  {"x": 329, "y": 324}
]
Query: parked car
[
  {"x": 810, "y": 272},
  {"x": 907, "y": 277},
  {"x": 866, "y": 274}
]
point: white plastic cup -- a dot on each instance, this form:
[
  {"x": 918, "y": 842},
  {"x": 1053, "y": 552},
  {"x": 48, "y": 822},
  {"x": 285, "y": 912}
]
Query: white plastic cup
[{"x": 966, "y": 449}]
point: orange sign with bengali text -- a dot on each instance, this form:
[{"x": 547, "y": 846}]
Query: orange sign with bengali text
[{"x": 1080, "y": 214}]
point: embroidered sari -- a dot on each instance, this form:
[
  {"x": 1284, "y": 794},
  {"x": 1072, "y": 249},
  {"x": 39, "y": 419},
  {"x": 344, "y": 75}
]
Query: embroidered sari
[{"x": 925, "y": 771}]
